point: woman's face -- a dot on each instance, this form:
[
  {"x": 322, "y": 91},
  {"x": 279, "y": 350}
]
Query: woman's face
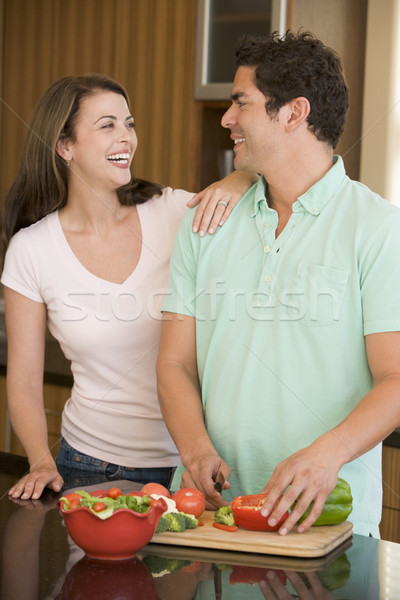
[{"x": 105, "y": 142}]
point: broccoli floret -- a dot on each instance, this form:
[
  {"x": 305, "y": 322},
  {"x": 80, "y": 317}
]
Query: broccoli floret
[
  {"x": 224, "y": 515},
  {"x": 190, "y": 521},
  {"x": 163, "y": 524},
  {"x": 176, "y": 522},
  {"x": 160, "y": 565},
  {"x": 174, "y": 564},
  {"x": 155, "y": 564}
]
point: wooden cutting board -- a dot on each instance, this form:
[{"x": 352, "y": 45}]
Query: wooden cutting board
[{"x": 316, "y": 542}]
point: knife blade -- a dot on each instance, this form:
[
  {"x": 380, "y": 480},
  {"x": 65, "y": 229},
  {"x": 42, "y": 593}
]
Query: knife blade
[
  {"x": 219, "y": 481},
  {"x": 217, "y": 583}
]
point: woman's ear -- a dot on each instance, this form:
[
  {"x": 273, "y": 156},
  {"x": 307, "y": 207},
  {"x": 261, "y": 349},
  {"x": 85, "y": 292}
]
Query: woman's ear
[
  {"x": 299, "y": 109},
  {"x": 63, "y": 150}
]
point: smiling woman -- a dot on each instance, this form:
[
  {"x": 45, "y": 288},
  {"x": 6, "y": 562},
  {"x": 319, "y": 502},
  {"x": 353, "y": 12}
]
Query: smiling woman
[{"x": 83, "y": 237}]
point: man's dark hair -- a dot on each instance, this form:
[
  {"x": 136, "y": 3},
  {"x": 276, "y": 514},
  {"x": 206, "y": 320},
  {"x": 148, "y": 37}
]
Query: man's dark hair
[{"x": 294, "y": 65}]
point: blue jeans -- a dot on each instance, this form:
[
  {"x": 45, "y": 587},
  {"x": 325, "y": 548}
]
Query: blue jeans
[{"x": 80, "y": 469}]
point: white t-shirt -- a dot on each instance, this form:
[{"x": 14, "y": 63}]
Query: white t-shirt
[{"x": 110, "y": 332}]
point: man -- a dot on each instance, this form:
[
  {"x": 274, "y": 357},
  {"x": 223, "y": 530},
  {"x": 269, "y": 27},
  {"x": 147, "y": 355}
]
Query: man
[{"x": 280, "y": 352}]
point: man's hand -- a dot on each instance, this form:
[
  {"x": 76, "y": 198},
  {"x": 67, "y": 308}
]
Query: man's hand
[
  {"x": 308, "y": 475},
  {"x": 272, "y": 587},
  {"x": 201, "y": 474}
]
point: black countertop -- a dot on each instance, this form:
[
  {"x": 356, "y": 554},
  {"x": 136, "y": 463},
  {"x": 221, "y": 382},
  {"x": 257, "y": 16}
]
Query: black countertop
[{"x": 39, "y": 561}]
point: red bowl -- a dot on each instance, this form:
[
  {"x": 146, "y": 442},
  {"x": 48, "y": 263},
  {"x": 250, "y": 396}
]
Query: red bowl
[
  {"x": 93, "y": 579},
  {"x": 118, "y": 537}
]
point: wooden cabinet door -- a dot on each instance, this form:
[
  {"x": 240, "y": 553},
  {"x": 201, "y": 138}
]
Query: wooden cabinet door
[
  {"x": 55, "y": 397},
  {"x": 390, "y": 524}
]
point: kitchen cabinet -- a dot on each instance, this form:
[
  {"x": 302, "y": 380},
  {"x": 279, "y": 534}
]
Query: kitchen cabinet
[
  {"x": 219, "y": 24},
  {"x": 55, "y": 397},
  {"x": 390, "y": 524}
]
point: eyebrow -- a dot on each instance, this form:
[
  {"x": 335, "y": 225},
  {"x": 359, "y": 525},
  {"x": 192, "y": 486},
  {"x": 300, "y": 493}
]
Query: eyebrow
[
  {"x": 236, "y": 96},
  {"x": 128, "y": 118}
]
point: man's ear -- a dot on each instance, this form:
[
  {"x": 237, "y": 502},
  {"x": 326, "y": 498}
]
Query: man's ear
[
  {"x": 298, "y": 111},
  {"x": 62, "y": 149}
]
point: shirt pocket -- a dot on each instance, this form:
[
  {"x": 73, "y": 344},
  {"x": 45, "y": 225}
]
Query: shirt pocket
[{"x": 322, "y": 292}]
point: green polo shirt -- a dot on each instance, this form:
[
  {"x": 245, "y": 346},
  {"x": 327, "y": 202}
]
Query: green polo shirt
[{"x": 280, "y": 325}]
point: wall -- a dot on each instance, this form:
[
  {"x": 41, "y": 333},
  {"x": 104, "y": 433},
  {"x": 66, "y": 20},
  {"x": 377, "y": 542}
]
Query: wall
[
  {"x": 341, "y": 24},
  {"x": 147, "y": 45},
  {"x": 380, "y": 155}
]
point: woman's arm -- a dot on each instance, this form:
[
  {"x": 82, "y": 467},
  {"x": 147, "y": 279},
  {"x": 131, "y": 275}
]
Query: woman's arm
[
  {"x": 216, "y": 202},
  {"x": 26, "y": 330}
]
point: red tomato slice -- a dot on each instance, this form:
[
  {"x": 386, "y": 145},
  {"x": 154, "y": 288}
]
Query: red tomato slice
[
  {"x": 190, "y": 501},
  {"x": 73, "y": 496},
  {"x": 114, "y": 493},
  {"x": 99, "y": 493},
  {"x": 73, "y": 499},
  {"x": 99, "y": 506},
  {"x": 155, "y": 488},
  {"x": 246, "y": 512}
]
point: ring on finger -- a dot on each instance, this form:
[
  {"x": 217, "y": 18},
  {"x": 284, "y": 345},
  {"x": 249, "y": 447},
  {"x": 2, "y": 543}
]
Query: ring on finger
[{"x": 222, "y": 202}]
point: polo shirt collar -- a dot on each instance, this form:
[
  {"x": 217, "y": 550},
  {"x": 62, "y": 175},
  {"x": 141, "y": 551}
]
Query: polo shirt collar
[{"x": 317, "y": 197}]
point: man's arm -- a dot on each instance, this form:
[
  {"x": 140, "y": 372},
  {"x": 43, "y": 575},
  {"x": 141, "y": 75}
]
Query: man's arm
[
  {"x": 181, "y": 406},
  {"x": 312, "y": 472}
]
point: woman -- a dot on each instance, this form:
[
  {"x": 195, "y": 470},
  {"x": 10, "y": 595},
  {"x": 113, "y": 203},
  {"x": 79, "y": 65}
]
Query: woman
[{"x": 87, "y": 254}]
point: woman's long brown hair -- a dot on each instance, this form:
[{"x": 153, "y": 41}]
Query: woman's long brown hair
[{"x": 41, "y": 182}]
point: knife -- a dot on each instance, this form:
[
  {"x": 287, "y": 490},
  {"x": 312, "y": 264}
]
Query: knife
[
  {"x": 217, "y": 583},
  {"x": 219, "y": 481}
]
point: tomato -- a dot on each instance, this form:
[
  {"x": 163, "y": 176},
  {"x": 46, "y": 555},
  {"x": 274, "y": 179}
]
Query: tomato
[
  {"x": 99, "y": 506},
  {"x": 99, "y": 493},
  {"x": 246, "y": 511},
  {"x": 73, "y": 499},
  {"x": 225, "y": 527},
  {"x": 155, "y": 488},
  {"x": 243, "y": 574},
  {"x": 114, "y": 493},
  {"x": 190, "y": 501}
]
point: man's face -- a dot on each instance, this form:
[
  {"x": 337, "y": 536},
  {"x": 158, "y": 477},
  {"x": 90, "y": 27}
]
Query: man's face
[{"x": 256, "y": 135}]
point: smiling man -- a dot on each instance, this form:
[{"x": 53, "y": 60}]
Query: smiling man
[{"x": 280, "y": 354}]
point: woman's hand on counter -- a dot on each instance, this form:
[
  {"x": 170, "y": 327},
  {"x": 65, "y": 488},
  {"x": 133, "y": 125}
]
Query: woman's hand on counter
[{"x": 33, "y": 484}]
